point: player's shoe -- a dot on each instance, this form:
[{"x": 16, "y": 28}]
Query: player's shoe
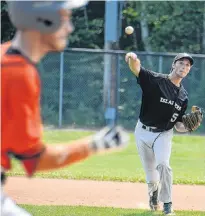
[
  {"x": 154, "y": 201},
  {"x": 167, "y": 209}
]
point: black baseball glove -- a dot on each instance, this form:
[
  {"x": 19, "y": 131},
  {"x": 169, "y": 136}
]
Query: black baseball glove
[{"x": 193, "y": 120}]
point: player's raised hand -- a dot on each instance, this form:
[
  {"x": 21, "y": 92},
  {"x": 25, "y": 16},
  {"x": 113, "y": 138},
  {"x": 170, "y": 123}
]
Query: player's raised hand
[
  {"x": 133, "y": 62},
  {"x": 109, "y": 138},
  {"x": 130, "y": 55}
]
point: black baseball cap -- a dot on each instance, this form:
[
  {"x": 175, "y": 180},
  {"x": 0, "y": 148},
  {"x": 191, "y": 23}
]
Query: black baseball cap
[{"x": 184, "y": 55}]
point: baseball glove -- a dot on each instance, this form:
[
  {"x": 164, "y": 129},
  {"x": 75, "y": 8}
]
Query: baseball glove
[{"x": 193, "y": 120}]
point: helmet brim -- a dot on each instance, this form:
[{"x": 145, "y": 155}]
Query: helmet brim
[{"x": 72, "y": 4}]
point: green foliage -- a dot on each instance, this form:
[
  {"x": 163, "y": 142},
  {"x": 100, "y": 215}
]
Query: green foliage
[
  {"x": 7, "y": 30},
  {"x": 174, "y": 28},
  {"x": 172, "y": 25},
  {"x": 87, "y": 36}
]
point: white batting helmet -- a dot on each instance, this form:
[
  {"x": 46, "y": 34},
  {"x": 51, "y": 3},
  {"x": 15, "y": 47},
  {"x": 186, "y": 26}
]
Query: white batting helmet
[{"x": 43, "y": 16}]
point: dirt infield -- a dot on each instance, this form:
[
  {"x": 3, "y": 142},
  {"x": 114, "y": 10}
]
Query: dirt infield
[{"x": 40, "y": 191}]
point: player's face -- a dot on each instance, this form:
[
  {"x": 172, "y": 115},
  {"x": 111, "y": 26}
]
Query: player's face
[
  {"x": 182, "y": 67},
  {"x": 57, "y": 41}
]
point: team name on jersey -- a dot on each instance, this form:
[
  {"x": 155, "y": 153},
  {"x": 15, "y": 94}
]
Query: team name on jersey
[{"x": 170, "y": 102}]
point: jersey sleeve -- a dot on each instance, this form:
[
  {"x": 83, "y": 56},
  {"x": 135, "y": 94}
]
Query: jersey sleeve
[
  {"x": 183, "y": 111},
  {"x": 26, "y": 128},
  {"x": 146, "y": 79}
]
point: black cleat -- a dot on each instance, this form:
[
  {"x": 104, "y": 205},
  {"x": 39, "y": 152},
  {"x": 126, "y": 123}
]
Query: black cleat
[
  {"x": 153, "y": 201},
  {"x": 167, "y": 209}
]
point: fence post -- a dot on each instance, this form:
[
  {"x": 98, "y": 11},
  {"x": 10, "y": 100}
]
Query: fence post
[
  {"x": 160, "y": 63},
  {"x": 118, "y": 87},
  {"x": 61, "y": 90},
  {"x": 111, "y": 36}
]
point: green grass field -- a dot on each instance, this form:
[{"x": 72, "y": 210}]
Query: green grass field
[
  {"x": 187, "y": 161},
  {"x": 87, "y": 211}
]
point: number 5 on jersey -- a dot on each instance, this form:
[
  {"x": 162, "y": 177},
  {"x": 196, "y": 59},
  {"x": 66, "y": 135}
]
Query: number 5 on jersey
[{"x": 174, "y": 117}]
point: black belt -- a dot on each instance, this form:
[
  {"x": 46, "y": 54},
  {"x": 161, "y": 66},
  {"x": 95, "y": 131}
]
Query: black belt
[{"x": 155, "y": 130}]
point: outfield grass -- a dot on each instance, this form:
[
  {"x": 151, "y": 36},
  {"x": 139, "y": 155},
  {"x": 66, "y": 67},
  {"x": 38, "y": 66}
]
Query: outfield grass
[
  {"x": 87, "y": 211},
  {"x": 187, "y": 161}
]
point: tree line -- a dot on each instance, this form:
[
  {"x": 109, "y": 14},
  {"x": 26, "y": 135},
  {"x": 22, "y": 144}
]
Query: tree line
[{"x": 164, "y": 26}]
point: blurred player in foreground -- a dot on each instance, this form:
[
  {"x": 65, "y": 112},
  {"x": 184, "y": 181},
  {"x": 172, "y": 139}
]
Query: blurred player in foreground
[{"x": 42, "y": 27}]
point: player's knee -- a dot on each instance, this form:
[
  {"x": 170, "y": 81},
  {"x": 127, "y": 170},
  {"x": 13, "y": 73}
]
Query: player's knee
[{"x": 164, "y": 167}]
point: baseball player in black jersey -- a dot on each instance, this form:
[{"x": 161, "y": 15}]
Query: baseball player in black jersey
[{"x": 164, "y": 102}]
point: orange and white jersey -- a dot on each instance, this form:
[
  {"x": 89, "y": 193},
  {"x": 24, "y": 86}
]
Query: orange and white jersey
[{"x": 21, "y": 129}]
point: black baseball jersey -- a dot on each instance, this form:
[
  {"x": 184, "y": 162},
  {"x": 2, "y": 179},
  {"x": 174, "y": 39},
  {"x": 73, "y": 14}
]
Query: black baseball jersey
[{"x": 163, "y": 103}]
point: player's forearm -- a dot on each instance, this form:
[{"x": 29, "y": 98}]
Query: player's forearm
[
  {"x": 135, "y": 69},
  {"x": 58, "y": 156},
  {"x": 109, "y": 138},
  {"x": 179, "y": 126},
  {"x": 133, "y": 62}
]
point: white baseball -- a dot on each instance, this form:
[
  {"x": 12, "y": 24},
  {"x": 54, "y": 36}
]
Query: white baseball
[{"x": 129, "y": 30}]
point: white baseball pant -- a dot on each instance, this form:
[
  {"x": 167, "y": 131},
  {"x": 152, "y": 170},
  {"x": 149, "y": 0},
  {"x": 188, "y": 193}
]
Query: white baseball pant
[
  {"x": 155, "y": 150},
  {"x": 9, "y": 207}
]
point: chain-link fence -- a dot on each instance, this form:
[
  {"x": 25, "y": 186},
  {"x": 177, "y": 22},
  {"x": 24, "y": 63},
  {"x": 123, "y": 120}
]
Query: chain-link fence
[{"x": 73, "y": 87}]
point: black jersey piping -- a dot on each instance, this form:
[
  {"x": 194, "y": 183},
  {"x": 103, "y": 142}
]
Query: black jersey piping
[
  {"x": 22, "y": 157},
  {"x": 14, "y": 51},
  {"x": 156, "y": 139}
]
